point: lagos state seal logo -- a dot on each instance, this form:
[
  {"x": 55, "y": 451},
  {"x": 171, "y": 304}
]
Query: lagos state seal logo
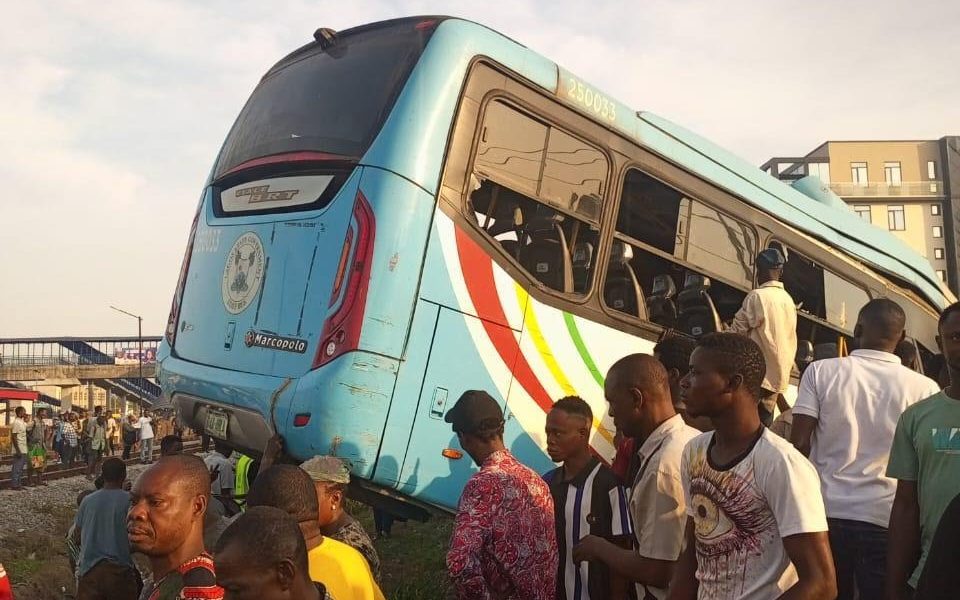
[{"x": 243, "y": 273}]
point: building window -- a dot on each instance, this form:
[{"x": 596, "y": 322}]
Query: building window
[
  {"x": 891, "y": 172},
  {"x": 935, "y": 209},
  {"x": 931, "y": 169},
  {"x": 863, "y": 211},
  {"x": 858, "y": 173},
  {"x": 895, "y": 218},
  {"x": 942, "y": 275},
  {"x": 938, "y": 253},
  {"x": 937, "y": 231},
  {"x": 821, "y": 170}
]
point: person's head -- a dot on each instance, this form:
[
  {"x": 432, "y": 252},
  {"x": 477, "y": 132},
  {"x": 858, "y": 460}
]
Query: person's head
[
  {"x": 770, "y": 265},
  {"x": 221, "y": 447},
  {"x": 906, "y": 351},
  {"x": 568, "y": 428},
  {"x": 637, "y": 387},
  {"x": 726, "y": 372},
  {"x": 41, "y": 413},
  {"x": 102, "y": 419},
  {"x": 171, "y": 444},
  {"x": 288, "y": 488},
  {"x": 674, "y": 352},
  {"x": 167, "y": 505},
  {"x": 262, "y": 556},
  {"x": 477, "y": 419},
  {"x": 330, "y": 476},
  {"x": 20, "y": 412},
  {"x": 97, "y": 410},
  {"x": 881, "y": 325},
  {"x": 114, "y": 472},
  {"x": 948, "y": 338},
  {"x": 131, "y": 417}
]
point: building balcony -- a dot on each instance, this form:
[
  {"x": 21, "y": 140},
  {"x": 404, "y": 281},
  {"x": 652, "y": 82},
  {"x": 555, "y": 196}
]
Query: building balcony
[{"x": 906, "y": 189}]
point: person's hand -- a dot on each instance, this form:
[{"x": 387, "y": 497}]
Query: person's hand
[{"x": 589, "y": 548}]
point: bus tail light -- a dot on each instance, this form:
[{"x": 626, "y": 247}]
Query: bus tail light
[
  {"x": 341, "y": 331},
  {"x": 170, "y": 334}
]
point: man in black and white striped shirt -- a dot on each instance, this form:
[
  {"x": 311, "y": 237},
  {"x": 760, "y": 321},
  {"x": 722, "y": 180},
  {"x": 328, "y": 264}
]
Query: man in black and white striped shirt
[{"x": 588, "y": 499}]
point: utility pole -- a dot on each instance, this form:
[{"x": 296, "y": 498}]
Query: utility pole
[{"x": 140, "y": 354}]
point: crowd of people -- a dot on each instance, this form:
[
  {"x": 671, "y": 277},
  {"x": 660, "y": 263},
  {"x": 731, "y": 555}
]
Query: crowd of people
[
  {"x": 76, "y": 438},
  {"x": 859, "y": 497}
]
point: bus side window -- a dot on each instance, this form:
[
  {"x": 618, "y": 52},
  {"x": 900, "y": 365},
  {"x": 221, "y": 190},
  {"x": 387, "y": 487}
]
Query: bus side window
[{"x": 538, "y": 193}]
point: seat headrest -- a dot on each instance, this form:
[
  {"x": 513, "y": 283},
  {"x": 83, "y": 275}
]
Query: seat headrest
[
  {"x": 696, "y": 281},
  {"x": 621, "y": 254},
  {"x": 804, "y": 352},
  {"x": 544, "y": 221},
  {"x": 663, "y": 287},
  {"x": 582, "y": 255}
]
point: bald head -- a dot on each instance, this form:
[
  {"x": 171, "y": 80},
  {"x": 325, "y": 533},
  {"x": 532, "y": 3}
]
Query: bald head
[
  {"x": 186, "y": 471},
  {"x": 640, "y": 371},
  {"x": 637, "y": 388}
]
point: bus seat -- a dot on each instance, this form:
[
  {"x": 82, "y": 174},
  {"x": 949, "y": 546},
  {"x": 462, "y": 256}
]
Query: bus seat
[
  {"x": 804, "y": 355},
  {"x": 660, "y": 305},
  {"x": 511, "y": 247},
  {"x": 582, "y": 261},
  {"x": 546, "y": 256},
  {"x": 622, "y": 291},
  {"x": 697, "y": 313}
]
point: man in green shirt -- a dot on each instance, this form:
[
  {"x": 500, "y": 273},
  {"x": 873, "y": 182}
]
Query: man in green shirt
[{"x": 925, "y": 461}]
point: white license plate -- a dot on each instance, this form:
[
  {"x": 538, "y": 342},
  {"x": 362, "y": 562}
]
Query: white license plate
[{"x": 216, "y": 425}]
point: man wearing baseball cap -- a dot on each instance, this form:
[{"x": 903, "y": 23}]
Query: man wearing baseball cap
[
  {"x": 504, "y": 543},
  {"x": 769, "y": 317},
  {"x": 330, "y": 477}
]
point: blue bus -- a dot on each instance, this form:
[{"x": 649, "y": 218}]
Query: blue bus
[{"x": 409, "y": 209}]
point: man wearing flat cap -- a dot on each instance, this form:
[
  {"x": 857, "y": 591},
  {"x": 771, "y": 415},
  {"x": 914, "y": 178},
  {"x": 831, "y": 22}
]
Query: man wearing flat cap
[
  {"x": 504, "y": 541},
  {"x": 330, "y": 477},
  {"x": 769, "y": 317}
]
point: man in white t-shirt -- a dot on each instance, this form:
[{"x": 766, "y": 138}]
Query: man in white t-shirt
[
  {"x": 756, "y": 525},
  {"x": 146, "y": 438},
  {"x": 222, "y": 478},
  {"x": 18, "y": 438},
  {"x": 844, "y": 420}
]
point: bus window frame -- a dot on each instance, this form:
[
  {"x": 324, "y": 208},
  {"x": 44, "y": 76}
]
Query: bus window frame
[
  {"x": 639, "y": 163},
  {"x": 773, "y": 238},
  {"x": 493, "y": 249}
]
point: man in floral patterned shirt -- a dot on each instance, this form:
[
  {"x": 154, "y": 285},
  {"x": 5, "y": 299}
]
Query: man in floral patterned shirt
[{"x": 504, "y": 542}]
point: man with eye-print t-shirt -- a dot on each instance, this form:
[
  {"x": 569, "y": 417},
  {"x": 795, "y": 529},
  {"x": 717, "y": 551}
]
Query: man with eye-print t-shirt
[{"x": 756, "y": 527}]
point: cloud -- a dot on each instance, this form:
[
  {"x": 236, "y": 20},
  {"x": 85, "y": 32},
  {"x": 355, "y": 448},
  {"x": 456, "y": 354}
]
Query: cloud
[{"x": 112, "y": 112}]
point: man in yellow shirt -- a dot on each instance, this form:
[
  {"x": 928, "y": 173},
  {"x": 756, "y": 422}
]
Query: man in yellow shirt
[{"x": 339, "y": 567}]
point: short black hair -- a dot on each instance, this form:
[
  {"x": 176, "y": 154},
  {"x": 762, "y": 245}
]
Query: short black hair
[
  {"x": 192, "y": 473},
  {"x": 265, "y": 536},
  {"x": 19, "y": 410},
  {"x": 288, "y": 488},
  {"x": 222, "y": 447},
  {"x": 171, "y": 444},
  {"x": 884, "y": 317},
  {"x": 674, "y": 352},
  {"x": 955, "y": 307},
  {"x": 114, "y": 470},
  {"x": 737, "y": 355},
  {"x": 574, "y": 405}
]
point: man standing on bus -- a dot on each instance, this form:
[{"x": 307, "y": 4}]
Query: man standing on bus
[{"x": 769, "y": 317}]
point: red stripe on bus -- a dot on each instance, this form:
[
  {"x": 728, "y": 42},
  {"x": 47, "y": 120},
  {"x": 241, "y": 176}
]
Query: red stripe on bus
[{"x": 478, "y": 275}]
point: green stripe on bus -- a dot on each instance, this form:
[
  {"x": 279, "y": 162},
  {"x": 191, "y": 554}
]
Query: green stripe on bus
[{"x": 582, "y": 349}]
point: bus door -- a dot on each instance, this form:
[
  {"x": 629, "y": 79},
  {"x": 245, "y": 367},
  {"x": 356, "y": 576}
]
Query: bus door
[{"x": 467, "y": 352}]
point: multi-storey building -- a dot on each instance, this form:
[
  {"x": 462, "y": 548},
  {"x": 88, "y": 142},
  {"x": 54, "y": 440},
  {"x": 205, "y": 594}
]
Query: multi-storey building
[{"x": 909, "y": 187}]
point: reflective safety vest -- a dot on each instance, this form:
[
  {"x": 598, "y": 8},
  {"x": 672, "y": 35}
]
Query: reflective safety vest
[{"x": 241, "y": 484}]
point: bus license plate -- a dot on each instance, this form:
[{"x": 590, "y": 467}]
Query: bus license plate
[{"x": 216, "y": 425}]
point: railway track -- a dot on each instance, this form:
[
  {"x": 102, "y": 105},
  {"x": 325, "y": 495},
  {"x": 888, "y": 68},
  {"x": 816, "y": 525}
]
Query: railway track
[{"x": 54, "y": 472}]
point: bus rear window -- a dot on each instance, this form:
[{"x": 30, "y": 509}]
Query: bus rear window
[{"x": 332, "y": 101}]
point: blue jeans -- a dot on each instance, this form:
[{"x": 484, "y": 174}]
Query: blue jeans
[
  {"x": 860, "y": 558},
  {"x": 16, "y": 473},
  {"x": 146, "y": 450}
]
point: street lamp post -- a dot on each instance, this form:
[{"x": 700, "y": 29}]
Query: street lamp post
[{"x": 140, "y": 355}]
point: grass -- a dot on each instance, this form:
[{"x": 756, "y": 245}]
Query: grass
[{"x": 412, "y": 558}]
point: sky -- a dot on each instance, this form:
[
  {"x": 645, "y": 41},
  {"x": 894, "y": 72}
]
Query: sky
[{"x": 112, "y": 112}]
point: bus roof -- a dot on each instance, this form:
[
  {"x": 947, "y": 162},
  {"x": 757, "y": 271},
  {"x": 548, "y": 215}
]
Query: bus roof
[{"x": 457, "y": 42}]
